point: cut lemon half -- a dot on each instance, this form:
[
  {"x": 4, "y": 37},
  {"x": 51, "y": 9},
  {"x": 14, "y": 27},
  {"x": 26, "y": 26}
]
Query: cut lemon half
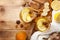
[{"x": 57, "y": 17}]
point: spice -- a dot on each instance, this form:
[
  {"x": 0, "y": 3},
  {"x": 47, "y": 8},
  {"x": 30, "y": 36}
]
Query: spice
[{"x": 18, "y": 22}]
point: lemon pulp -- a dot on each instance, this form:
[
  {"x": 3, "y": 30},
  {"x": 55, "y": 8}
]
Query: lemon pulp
[{"x": 57, "y": 17}]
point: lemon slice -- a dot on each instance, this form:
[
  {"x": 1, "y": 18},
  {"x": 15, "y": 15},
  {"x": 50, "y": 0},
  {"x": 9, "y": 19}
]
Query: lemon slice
[
  {"x": 55, "y": 5},
  {"x": 40, "y": 25},
  {"x": 25, "y": 15},
  {"x": 57, "y": 17}
]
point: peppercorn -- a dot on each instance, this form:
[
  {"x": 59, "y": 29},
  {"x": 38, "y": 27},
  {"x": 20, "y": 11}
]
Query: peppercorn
[{"x": 17, "y": 22}]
